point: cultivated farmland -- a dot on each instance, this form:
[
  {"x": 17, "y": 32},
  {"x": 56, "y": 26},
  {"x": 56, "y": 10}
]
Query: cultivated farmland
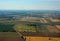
[
  {"x": 30, "y": 38},
  {"x": 58, "y": 26},
  {"x": 52, "y": 29}
]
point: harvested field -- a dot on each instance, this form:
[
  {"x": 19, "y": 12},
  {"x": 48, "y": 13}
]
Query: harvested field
[
  {"x": 52, "y": 29},
  {"x": 58, "y": 26},
  {"x": 40, "y": 34},
  {"x": 30, "y": 19},
  {"x": 30, "y": 38},
  {"x": 44, "y": 20},
  {"x": 41, "y": 21},
  {"x": 54, "y": 20}
]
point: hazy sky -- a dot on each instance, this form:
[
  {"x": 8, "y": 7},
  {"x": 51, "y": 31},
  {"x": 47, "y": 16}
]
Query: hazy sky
[{"x": 30, "y": 4}]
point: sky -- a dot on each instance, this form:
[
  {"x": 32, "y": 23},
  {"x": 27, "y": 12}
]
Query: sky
[{"x": 29, "y": 4}]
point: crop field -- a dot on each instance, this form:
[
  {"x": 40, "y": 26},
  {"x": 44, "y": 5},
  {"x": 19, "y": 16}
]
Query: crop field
[
  {"x": 24, "y": 28},
  {"x": 54, "y": 20},
  {"x": 31, "y": 19},
  {"x": 41, "y": 21},
  {"x": 58, "y": 26},
  {"x": 44, "y": 20},
  {"x": 30, "y": 38},
  {"x": 52, "y": 29},
  {"x": 30, "y": 28},
  {"x": 9, "y": 36},
  {"x": 42, "y": 28},
  {"x": 37, "y": 29}
]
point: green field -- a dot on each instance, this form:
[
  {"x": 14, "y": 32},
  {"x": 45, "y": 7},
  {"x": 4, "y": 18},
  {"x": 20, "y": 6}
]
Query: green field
[{"x": 25, "y": 27}]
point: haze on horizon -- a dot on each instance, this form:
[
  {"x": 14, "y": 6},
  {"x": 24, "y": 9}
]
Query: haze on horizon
[{"x": 29, "y": 4}]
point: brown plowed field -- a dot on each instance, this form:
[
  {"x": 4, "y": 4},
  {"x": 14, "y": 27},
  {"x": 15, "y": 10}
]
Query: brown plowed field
[
  {"x": 40, "y": 34},
  {"x": 58, "y": 26},
  {"x": 10, "y": 36},
  {"x": 52, "y": 29}
]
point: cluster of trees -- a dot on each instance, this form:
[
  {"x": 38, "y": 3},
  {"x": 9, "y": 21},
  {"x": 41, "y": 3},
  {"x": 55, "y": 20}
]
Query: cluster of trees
[{"x": 6, "y": 28}]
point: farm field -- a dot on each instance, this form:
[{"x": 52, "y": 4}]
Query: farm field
[
  {"x": 42, "y": 28},
  {"x": 54, "y": 20},
  {"x": 9, "y": 36},
  {"x": 30, "y": 19},
  {"x": 58, "y": 26},
  {"x": 24, "y": 28},
  {"x": 30, "y": 38},
  {"x": 52, "y": 29},
  {"x": 44, "y": 20},
  {"x": 33, "y": 19},
  {"x": 30, "y": 28}
]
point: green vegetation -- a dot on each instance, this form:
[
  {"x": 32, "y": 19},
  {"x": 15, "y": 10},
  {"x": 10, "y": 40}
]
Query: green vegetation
[
  {"x": 42, "y": 28},
  {"x": 24, "y": 28},
  {"x": 6, "y": 27}
]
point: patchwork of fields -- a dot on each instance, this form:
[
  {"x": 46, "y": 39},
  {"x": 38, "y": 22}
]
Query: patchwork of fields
[
  {"x": 31, "y": 28},
  {"x": 37, "y": 29}
]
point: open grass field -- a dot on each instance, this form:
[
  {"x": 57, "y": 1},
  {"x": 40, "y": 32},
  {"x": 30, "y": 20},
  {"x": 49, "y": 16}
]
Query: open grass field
[{"x": 30, "y": 38}]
